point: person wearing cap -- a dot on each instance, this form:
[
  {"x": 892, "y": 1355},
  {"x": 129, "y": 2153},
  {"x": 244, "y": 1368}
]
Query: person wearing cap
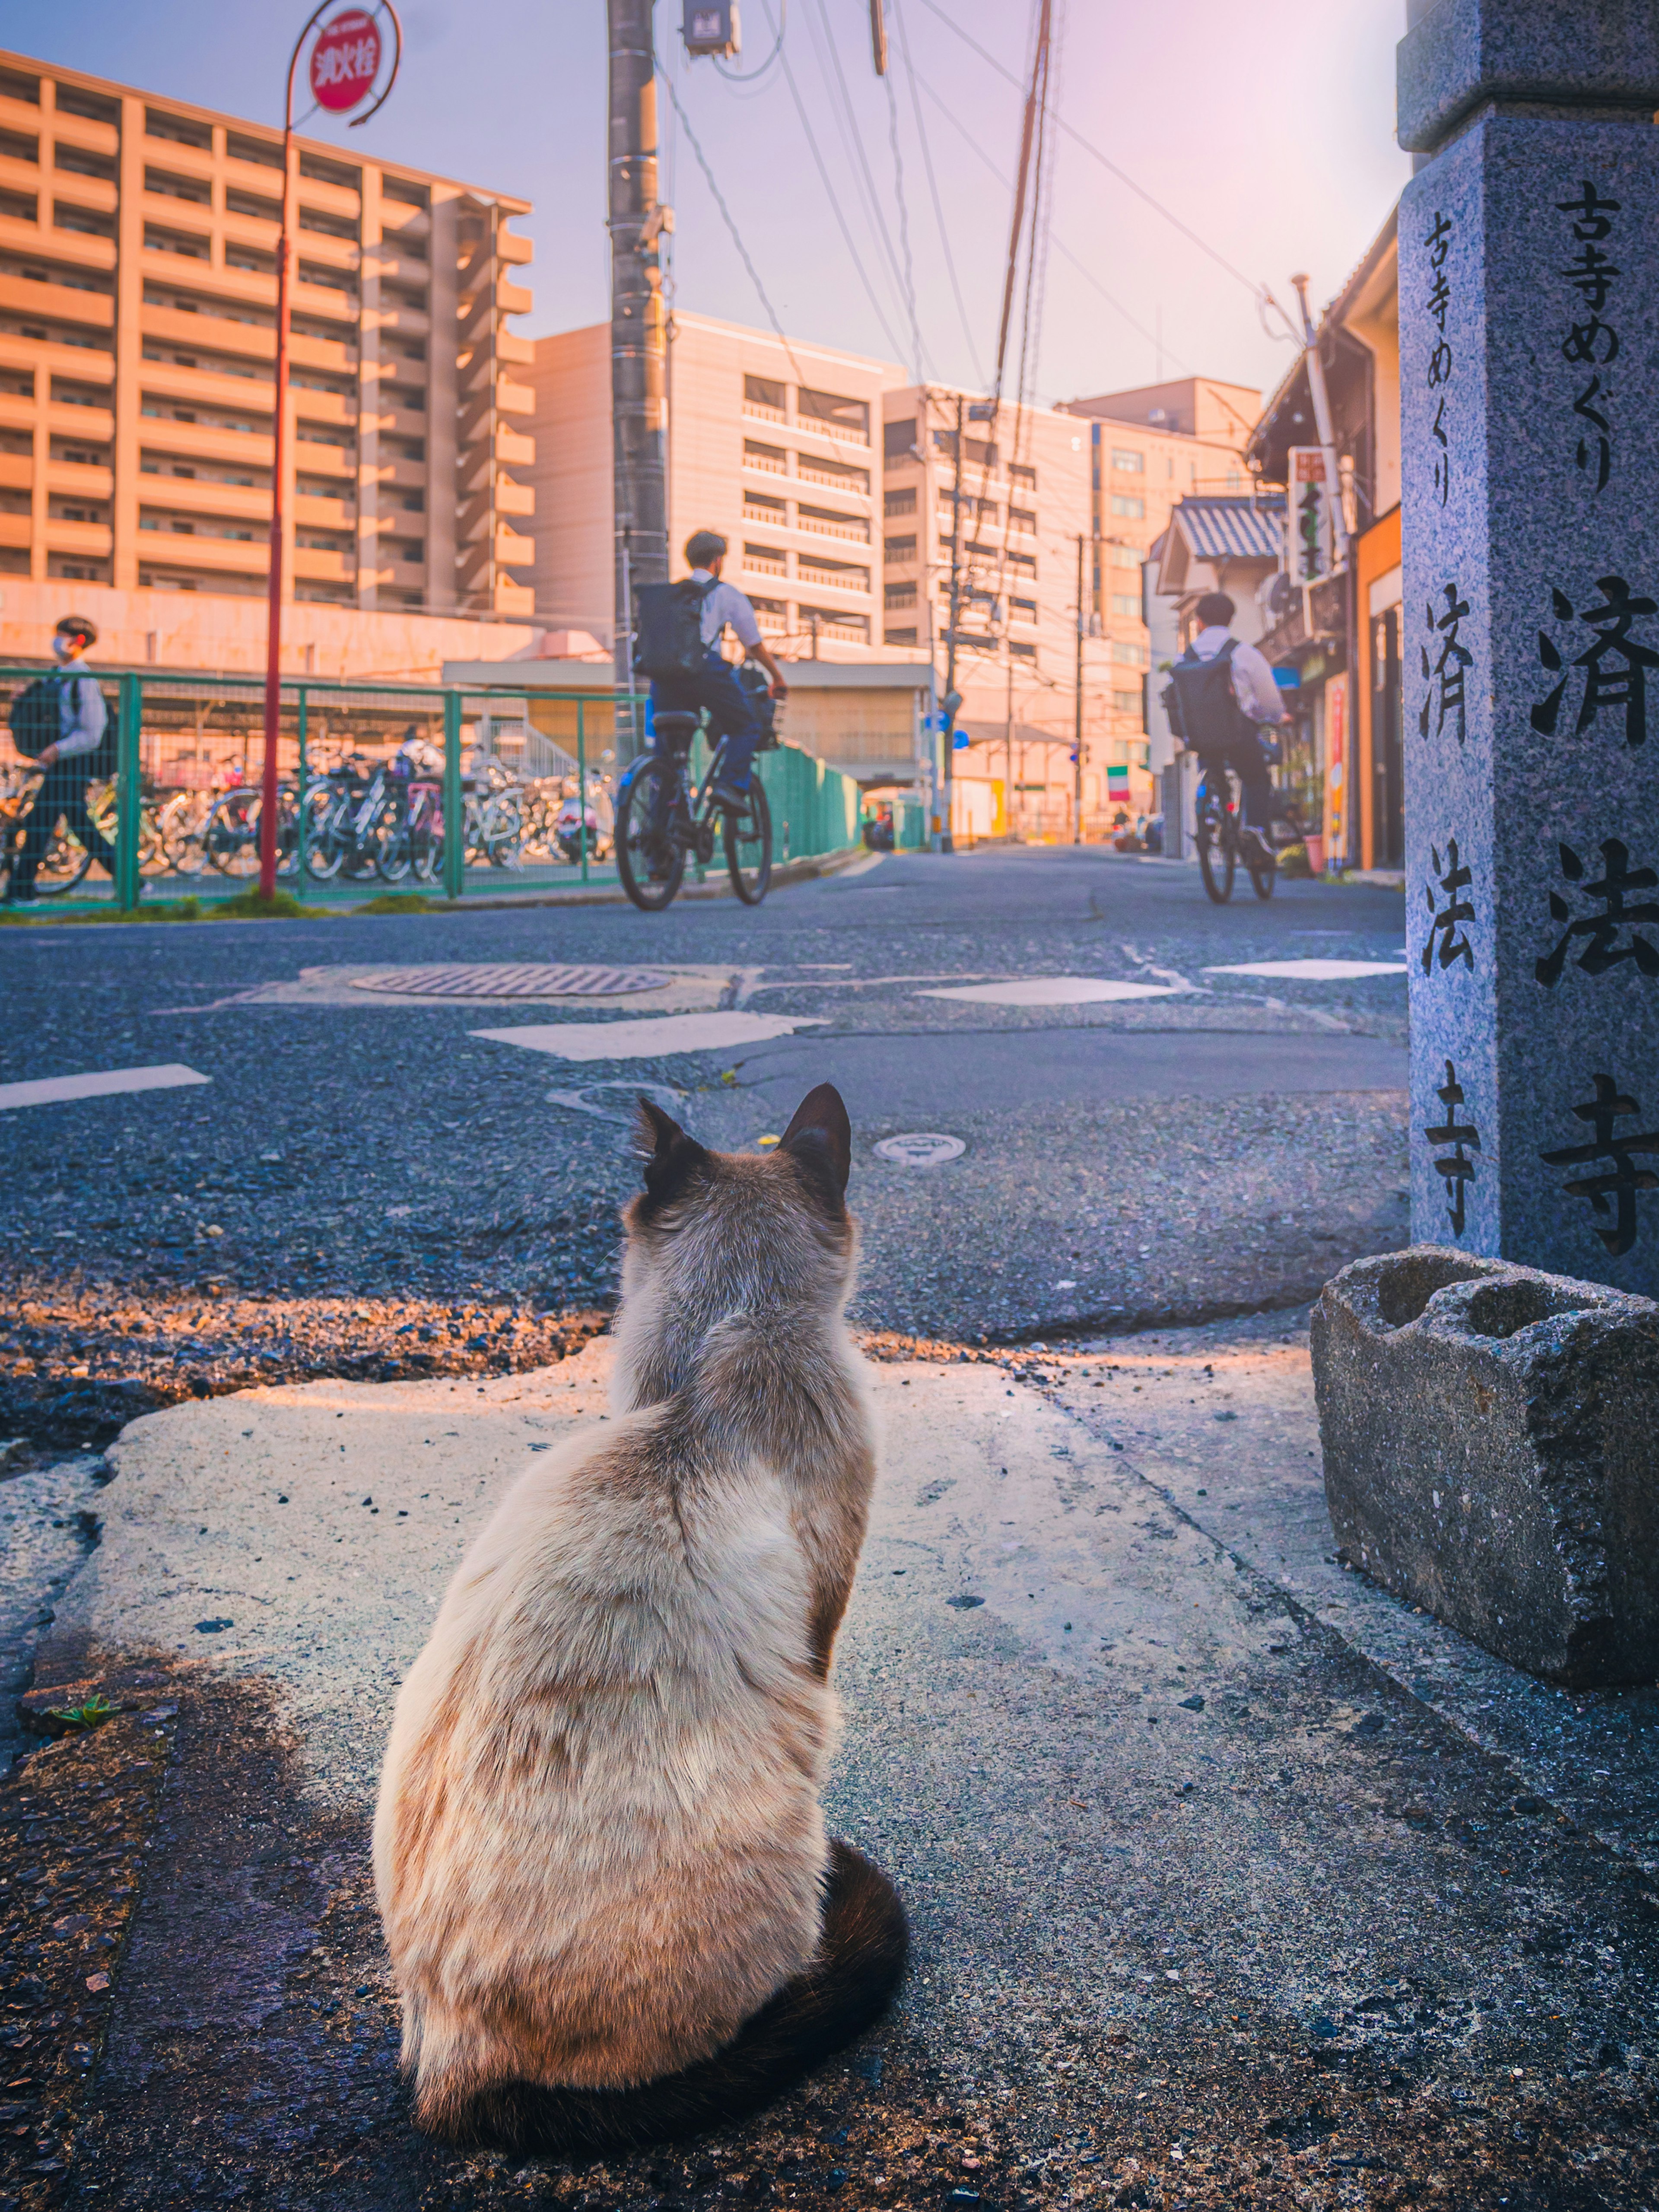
[
  {"x": 716, "y": 687},
  {"x": 82, "y": 718}
]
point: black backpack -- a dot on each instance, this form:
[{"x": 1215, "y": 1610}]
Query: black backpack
[
  {"x": 36, "y": 721},
  {"x": 1202, "y": 705},
  {"x": 668, "y": 628}
]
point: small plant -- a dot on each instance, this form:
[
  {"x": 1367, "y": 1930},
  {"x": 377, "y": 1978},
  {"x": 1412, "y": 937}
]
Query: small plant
[
  {"x": 87, "y": 1715},
  {"x": 397, "y": 903},
  {"x": 258, "y": 906},
  {"x": 1293, "y": 863}
]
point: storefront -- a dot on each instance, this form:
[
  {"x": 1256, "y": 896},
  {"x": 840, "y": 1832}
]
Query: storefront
[{"x": 1379, "y": 750}]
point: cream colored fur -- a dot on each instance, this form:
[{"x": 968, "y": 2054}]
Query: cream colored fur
[{"x": 599, "y": 1845}]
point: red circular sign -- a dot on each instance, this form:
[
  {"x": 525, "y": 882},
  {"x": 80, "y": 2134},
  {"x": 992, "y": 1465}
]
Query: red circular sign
[{"x": 345, "y": 61}]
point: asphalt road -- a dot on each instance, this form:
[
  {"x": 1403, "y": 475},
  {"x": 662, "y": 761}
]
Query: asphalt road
[{"x": 1190, "y": 1143}]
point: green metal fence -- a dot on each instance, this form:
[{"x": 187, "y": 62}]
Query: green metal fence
[{"x": 182, "y": 808}]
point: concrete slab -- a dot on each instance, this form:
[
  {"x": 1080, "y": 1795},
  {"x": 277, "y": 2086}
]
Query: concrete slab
[{"x": 1203, "y": 1902}]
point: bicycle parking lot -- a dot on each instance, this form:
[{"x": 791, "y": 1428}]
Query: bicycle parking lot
[{"x": 370, "y": 776}]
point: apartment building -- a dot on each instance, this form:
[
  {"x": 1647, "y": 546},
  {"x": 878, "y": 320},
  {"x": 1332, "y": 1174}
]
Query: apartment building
[
  {"x": 137, "y": 343},
  {"x": 774, "y": 443}
]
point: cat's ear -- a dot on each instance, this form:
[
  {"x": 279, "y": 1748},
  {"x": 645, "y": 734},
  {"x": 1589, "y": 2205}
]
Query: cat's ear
[
  {"x": 671, "y": 1159},
  {"x": 820, "y": 1141}
]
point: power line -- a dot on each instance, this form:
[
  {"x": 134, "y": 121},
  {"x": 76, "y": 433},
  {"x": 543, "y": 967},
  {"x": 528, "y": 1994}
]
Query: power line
[
  {"x": 1122, "y": 175},
  {"x": 904, "y": 222},
  {"x": 846, "y": 123},
  {"x": 726, "y": 213},
  {"x": 938, "y": 206},
  {"x": 836, "y": 206},
  {"x": 1083, "y": 270}
]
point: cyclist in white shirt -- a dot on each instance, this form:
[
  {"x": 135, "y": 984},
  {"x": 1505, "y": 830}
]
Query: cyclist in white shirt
[
  {"x": 1260, "y": 700},
  {"x": 716, "y": 687}
]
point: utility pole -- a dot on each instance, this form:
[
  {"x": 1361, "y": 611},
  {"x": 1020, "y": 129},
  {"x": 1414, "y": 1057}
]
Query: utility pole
[
  {"x": 953, "y": 697},
  {"x": 1077, "y": 725},
  {"x": 1322, "y": 407},
  {"x": 638, "y": 346}
]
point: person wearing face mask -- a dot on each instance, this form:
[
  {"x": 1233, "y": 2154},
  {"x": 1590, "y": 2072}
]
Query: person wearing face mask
[{"x": 82, "y": 718}]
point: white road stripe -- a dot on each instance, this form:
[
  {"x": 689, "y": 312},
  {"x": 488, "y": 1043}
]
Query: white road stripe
[
  {"x": 1316, "y": 971},
  {"x": 650, "y": 1036},
  {"x": 1054, "y": 991},
  {"x": 105, "y": 1082}
]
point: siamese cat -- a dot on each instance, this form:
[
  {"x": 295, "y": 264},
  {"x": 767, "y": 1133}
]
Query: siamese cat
[{"x": 612, "y": 1910}]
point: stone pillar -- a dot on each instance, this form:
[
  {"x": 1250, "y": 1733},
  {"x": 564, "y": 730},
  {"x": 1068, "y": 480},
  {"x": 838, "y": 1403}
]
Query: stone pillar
[{"x": 1530, "y": 374}]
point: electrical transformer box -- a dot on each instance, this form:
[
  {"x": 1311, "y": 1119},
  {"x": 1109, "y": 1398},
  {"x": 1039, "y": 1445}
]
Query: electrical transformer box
[{"x": 710, "y": 26}]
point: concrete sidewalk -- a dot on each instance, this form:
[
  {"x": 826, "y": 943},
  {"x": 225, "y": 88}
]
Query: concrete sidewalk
[{"x": 1231, "y": 1882}]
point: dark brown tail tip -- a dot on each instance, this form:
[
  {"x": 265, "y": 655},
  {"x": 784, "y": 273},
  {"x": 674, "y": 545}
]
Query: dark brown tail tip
[{"x": 865, "y": 1945}]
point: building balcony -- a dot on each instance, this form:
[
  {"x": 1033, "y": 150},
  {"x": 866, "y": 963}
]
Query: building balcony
[
  {"x": 843, "y": 433},
  {"x": 95, "y": 424},
  {"x": 311, "y": 511},
  {"x": 75, "y": 364},
  {"x": 17, "y": 472},
  {"x": 514, "y": 448},
  {"x": 17, "y": 176},
  {"x": 328, "y": 407},
  {"x": 95, "y": 539},
  {"x": 405, "y": 476},
  {"x": 61, "y": 303},
  {"x": 513, "y": 550},
  {"x": 756, "y": 411},
  {"x": 202, "y": 441},
  {"x": 243, "y": 394},
  {"x": 402, "y": 423},
  {"x": 821, "y": 526},
  {"x": 317, "y": 565},
  {"x": 513, "y": 249},
  {"x": 16, "y": 530},
  {"x": 811, "y": 471},
  {"x": 207, "y": 334},
  {"x": 766, "y": 464},
  {"x": 165, "y": 537},
  {"x": 513, "y": 498},
  {"x": 510, "y": 347},
  {"x": 758, "y": 561},
  {"x": 514, "y": 299},
  {"x": 839, "y": 577},
  {"x": 397, "y": 268},
  {"x": 515, "y": 398},
  {"x": 510, "y": 599},
  {"x": 240, "y": 504}
]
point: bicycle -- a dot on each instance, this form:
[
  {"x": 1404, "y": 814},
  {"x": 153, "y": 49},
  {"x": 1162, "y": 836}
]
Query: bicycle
[
  {"x": 660, "y": 819},
  {"x": 1223, "y": 843}
]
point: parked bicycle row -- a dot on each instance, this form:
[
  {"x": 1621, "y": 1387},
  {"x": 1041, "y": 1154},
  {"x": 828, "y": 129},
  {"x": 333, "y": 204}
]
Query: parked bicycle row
[{"x": 360, "y": 817}]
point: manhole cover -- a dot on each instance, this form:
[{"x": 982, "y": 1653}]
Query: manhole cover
[
  {"x": 920, "y": 1148},
  {"x": 515, "y": 979}
]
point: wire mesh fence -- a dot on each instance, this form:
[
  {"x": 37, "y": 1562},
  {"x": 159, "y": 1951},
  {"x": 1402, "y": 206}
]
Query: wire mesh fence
[{"x": 371, "y": 777}]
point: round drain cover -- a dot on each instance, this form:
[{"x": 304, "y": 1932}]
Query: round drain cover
[
  {"x": 514, "y": 979},
  {"x": 920, "y": 1148}
]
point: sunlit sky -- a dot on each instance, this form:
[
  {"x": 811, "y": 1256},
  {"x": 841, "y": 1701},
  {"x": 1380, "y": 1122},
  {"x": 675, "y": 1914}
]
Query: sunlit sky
[{"x": 1268, "y": 131}]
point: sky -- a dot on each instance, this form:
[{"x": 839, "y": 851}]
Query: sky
[{"x": 1267, "y": 131}]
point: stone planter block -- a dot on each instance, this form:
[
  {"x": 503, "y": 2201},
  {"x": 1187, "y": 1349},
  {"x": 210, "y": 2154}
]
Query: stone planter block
[{"x": 1490, "y": 1440}]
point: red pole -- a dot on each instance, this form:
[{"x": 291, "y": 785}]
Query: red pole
[{"x": 279, "y": 456}]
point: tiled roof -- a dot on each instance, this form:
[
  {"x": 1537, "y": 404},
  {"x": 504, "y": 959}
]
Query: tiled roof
[{"x": 1217, "y": 527}]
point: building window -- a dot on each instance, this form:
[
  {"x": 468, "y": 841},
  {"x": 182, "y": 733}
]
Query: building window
[
  {"x": 841, "y": 474},
  {"x": 835, "y": 622},
  {"x": 1127, "y": 602},
  {"x": 1024, "y": 610},
  {"x": 1128, "y": 464},
  {"x": 899, "y": 595},
  {"x": 829, "y": 524},
  {"x": 1021, "y": 472},
  {"x": 900, "y": 502},
  {"x": 850, "y": 417},
  {"x": 899, "y": 443},
  {"x": 1128, "y": 652},
  {"x": 1023, "y": 520},
  {"x": 767, "y": 560},
  {"x": 1126, "y": 702},
  {"x": 1021, "y": 650},
  {"x": 898, "y": 637},
  {"x": 772, "y": 458},
  {"x": 761, "y": 396},
  {"x": 1124, "y": 503},
  {"x": 900, "y": 549},
  {"x": 774, "y": 511}
]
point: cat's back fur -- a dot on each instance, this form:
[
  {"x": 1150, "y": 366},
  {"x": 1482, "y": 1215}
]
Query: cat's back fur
[{"x": 599, "y": 1846}]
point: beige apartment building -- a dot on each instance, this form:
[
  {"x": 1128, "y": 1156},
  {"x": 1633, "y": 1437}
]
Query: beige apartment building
[
  {"x": 775, "y": 445},
  {"x": 137, "y": 342}
]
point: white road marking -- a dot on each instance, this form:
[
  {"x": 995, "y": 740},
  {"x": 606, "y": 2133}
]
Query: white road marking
[
  {"x": 105, "y": 1082},
  {"x": 1316, "y": 971},
  {"x": 650, "y": 1037},
  {"x": 1054, "y": 991}
]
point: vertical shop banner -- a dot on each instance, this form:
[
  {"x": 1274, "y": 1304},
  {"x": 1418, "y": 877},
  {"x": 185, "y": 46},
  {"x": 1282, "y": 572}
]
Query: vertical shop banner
[
  {"x": 1336, "y": 770},
  {"x": 1309, "y": 554}
]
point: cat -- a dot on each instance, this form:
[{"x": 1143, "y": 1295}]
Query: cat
[{"x": 612, "y": 1911}]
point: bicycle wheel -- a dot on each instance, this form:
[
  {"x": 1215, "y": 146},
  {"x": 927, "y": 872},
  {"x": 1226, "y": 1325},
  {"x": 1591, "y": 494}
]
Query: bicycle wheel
[
  {"x": 1215, "y": 862},
  {"x": 325, "y": 848},
  {"x": 651, "y": 864},
  {"x": 180, "y": 826},
  {"x": 63, "y": 864},
  {"x": 749, "y": 846},
  {"x": 230, "y": 835},
  {"x": 1263, "y": 873},
  {"x": 502, "y": 830}
]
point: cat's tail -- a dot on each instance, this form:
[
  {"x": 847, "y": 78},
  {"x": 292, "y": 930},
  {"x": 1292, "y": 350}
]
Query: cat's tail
[{"x": 862, "y": 1957}]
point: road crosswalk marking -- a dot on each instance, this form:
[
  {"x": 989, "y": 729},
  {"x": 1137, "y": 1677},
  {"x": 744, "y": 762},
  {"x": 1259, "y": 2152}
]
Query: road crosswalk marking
[
  {"x": 1054, "y": 991},
  {"x": 102, "y": 1082},
  {"x": 1315, "y": 970},
  {"x": 651, "y": 1036}
]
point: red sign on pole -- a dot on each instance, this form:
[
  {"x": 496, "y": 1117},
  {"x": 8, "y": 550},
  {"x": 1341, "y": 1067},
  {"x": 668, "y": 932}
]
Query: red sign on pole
[{"x": 345, "y": 61}]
